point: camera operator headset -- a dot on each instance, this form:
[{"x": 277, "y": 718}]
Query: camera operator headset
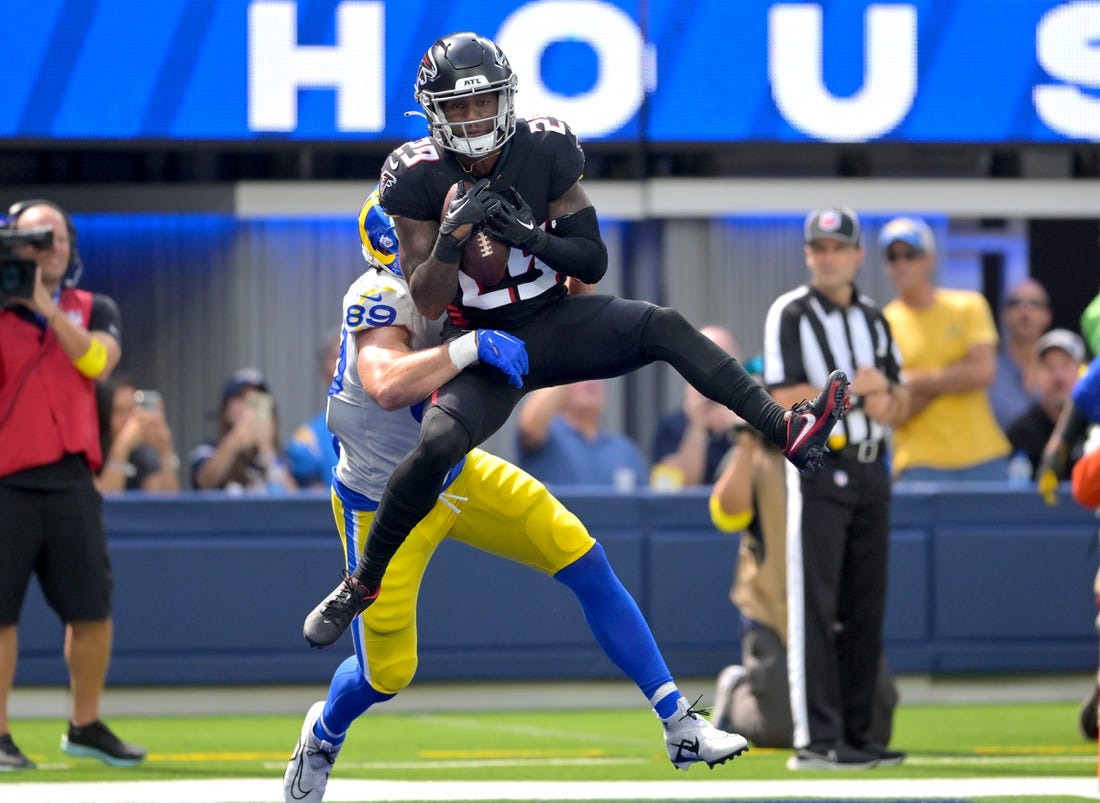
[{"x": 58, "y": 324}]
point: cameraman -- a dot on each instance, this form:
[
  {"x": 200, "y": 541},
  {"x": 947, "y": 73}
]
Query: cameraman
[{"x": 54, "y": 344}]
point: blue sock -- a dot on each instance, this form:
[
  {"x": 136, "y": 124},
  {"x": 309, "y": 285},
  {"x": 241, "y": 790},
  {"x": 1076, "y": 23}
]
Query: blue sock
[
  {"x": 349, "y": 696},
  {"x": 619, "y": 627}
]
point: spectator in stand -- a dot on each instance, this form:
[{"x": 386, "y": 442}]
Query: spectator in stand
[
  {"x": 1061, "y": 354},
  {"x": 1025, "y": 315},
  {"x": 690, "y": 443},
  {"x": 1072, "y": 426},
  {"x": 311, "y": 453},
  {"x": 247, "y": 456},
  {"x": 948, "y": 345},
  {"x": 750, "y": 497},
  {"x": 562, "y": 440},
  {"x": 135, "y": 439}
]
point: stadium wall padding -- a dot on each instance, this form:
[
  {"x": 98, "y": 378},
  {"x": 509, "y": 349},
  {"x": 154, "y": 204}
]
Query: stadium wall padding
[{"x": 212, "y": 589}]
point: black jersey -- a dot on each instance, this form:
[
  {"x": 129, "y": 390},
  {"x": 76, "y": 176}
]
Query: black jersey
[{"x": 541, "y": 160}]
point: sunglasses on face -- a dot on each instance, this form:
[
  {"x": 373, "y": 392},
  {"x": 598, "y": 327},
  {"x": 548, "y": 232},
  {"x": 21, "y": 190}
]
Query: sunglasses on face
[
  {"x": 906, "y": 256},
  {"x": 1034, "y": 303}
]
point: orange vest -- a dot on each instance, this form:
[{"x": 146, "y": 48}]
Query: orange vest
[{"x": 47, "y": 407}]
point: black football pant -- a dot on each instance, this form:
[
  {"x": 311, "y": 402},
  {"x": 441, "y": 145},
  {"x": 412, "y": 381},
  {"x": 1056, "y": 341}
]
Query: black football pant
[
  {"x": 836, "y": 599},
  {"x": 579, "y": 337}
]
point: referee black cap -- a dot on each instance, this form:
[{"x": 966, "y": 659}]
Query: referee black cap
[{"x": 833, "y": 223}]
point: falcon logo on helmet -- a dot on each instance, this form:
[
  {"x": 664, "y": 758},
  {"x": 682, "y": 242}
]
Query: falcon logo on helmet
[
  {"x": 378, "y": 236},
  {"x": 428, "y": 69},
  {"x": 463, "y": 65}
]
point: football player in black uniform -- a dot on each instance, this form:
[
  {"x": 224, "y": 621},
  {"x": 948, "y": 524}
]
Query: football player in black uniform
[{"x": 527, "y": 194}]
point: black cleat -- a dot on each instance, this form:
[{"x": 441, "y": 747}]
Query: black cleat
[
  {"x": 11, "y": 757},
  {"x": 96, "y": 740},
  {"x": 1087, "y": 715},
  {"x": 884, "y": 755},
  {"x": 840, "y": 757},
  {"x": 328, "y": 621},
  {"x": 810, "y": 422}
]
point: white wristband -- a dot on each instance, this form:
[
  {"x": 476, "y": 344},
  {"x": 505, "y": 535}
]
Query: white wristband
[{"x": 463, "y": 350}]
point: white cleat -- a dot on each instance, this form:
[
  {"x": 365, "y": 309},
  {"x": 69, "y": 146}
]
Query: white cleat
[
  {"x": 307, "y": 773},
  {"x": 690, "y": 739}
]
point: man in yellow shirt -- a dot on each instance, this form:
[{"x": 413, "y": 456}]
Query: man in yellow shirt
[{"x": 948, "y": 344}]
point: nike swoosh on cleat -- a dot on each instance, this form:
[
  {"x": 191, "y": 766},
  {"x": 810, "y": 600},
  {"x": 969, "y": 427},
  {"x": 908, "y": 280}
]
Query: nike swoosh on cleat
[
  {"x": 296, "y": 790},
  {"x": 805, "y": 433}
]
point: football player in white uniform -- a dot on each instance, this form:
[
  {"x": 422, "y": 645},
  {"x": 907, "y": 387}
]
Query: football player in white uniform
[{"x": 390, "y": 363}]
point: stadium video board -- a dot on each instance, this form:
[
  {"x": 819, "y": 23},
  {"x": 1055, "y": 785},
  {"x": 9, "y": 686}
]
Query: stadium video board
[{"x": 922, "y": 71}]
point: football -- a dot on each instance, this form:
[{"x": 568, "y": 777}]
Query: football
[{"x": 484, "y": 259}]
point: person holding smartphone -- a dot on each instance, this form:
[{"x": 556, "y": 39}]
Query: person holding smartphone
[
  {"x": 138, "y": 448},
  {"x": 247, "y": 457}
]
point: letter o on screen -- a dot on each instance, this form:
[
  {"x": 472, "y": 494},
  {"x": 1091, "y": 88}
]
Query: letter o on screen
[{"x": 612, "y": 34}]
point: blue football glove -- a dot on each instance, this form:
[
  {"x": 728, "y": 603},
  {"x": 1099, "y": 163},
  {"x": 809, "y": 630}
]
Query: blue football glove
[
  {"x": 504, "y": 352},
  {"x": 513, "y": 222},
  {"x": 1086, "y": 392}
]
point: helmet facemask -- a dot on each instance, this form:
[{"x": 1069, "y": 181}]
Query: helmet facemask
[
  {"x": 455, "y": 136},
  {"x": 463, "y": 66}
]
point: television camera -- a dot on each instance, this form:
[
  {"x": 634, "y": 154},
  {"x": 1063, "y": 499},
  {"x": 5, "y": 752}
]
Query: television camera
[{"x": 16, "y": 273}]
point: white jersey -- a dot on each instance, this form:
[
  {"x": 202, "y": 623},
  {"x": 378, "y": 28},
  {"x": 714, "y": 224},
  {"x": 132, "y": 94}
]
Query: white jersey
[{"x": 372, "y": 440}]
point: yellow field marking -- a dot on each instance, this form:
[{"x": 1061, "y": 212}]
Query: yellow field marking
[
  {"x": 504, "y": 753},
  {"x": 992, "y": 761},
  {"x": 217, "y": 756}
]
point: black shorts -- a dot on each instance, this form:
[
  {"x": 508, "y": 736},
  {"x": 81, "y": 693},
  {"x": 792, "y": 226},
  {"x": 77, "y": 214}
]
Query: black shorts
[
  {"x": 580, "y": 337},
  {"x": 59, "y": 536}
]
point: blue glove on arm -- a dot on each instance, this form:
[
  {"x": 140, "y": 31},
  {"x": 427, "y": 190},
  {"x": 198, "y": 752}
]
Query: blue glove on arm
[{"x": 503, "y": 351}]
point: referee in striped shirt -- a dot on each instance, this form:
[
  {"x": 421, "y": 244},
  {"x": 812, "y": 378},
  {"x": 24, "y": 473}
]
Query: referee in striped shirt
[{"x": 839, "y": 517}]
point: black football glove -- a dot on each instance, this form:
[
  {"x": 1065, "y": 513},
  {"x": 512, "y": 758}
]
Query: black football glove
[
  {"x": 467, "y": 207},
  {"x": 513, "y": 223}
]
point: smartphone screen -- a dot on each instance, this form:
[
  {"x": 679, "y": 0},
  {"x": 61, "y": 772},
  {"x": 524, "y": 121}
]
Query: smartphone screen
[
  {"x": 147, "y": 400},
  {"x": 261, "y": 403}
]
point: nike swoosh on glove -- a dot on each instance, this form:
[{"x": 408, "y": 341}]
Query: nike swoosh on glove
[
  {"x": 505, "y": 352},
  {"x": 513, "y": 223},
  {"x": 468, "y": 206}
]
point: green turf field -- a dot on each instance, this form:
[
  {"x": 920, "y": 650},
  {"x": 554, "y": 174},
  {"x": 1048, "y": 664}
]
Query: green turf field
[{"x": 943, "y": 741}]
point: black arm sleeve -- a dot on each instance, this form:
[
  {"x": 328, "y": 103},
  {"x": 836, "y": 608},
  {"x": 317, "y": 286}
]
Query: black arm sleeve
[{"x": 574, "y": 246}]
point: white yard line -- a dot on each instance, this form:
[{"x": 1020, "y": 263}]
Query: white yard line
[{"x": 269, "y": 790}]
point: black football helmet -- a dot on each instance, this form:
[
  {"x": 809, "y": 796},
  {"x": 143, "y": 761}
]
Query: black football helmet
[{"x": 459, "y": 65}]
